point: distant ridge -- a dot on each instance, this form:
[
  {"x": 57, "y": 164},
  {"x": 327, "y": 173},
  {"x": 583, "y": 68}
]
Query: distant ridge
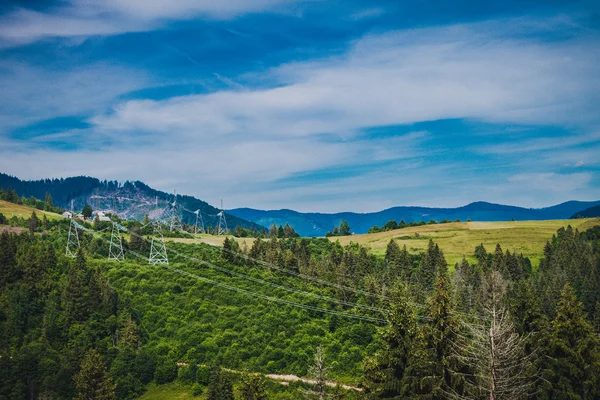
[
  {"x": 130, "y": 200},
  {"x": 591, "y": 212},
  {"x": 317, "y": 224}
]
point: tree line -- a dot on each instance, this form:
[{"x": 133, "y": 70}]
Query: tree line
[{"x": 496, "y": 328}]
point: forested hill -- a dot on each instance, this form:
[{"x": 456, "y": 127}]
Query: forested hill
[
  {"x": 591, "y": 212},
  {"x": 128, "y": 199},
  {"x": 317, "y": 224}
]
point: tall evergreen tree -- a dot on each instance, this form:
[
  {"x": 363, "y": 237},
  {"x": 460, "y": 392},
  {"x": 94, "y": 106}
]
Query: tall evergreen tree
[
  {"x": 253, "y": 387},
  {"x": 386, "y": 373},
  {"x": 572, "y": 367},
  {"x": 92, "y": 381},
  {"x": 438, "y": 372},
  {"x": 219, "y": 386}
]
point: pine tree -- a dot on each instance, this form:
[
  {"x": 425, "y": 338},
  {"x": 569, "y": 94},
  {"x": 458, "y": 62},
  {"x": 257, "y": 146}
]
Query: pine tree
[
  {"x": 437, "y": 370},
  {"x": 431, "y": 261},
  {"x": 573, "y": 359},
  {"x": 253, "y": 387},
  {"x": 129, "y": 337},
  {"x": 385, "y": 374},
  {"x": 87, "y": 211},
  {"x": 219, "y": 386},
  {"x": 48, "y": 200},
  {"x": 392, "y": 259},
  {"x": 344, "y": 228},
  {"x": 92, "y": 381},
  {"x": 33, "y": 222}
]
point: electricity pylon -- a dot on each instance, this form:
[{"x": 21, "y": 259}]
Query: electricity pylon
[
  {"x": 115, "y": 251},
  {"x": 175, "y": 220},
  {"x": 158, "y": 251},
  {"x": 199, "y": 217},
  {"x": 222, "y": 228},
  {"x": 72, "y": 239}
]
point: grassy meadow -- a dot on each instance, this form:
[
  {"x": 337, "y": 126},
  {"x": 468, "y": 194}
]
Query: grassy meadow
[
  {"x": 11, "y": 209},
  {"x": 458, "y": 239}
]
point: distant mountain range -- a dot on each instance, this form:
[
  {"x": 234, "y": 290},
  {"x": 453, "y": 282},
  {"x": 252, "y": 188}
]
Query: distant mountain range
[
  {"x": 591, "y": 212},
  {"x": 130, "y": 200},
  {"x": 136, "y": 199},
  {"x": 317, "y": 224}
]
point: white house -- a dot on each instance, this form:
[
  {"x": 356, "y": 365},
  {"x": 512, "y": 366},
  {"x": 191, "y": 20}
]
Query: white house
[
  {"x": 67, "y": 214},
  {"x": 101, "y": 216}
]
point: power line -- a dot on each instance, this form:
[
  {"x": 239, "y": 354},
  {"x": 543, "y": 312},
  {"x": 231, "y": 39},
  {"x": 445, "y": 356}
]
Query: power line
[
  {"x": 254, "y": 294},
  {"x": 272, "y": 284},
  {"x": 307, "y": 277}
]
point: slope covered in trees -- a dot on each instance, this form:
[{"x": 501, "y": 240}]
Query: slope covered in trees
[
  {"x": 591, "y": 212},
  {"x": 128, "y": 199},
  {"x": 397, "y": 326}
]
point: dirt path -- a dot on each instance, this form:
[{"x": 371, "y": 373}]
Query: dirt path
[
  {"x": 294, "y": 378},
  {"x": 12, "y": 229},
  {"x": 284, "y": 379}
]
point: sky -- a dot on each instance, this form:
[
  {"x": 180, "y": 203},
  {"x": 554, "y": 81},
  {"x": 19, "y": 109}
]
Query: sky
[{"x": 309, "y": 105}]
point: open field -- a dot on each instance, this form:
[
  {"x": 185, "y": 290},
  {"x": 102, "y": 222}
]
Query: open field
[
  {"x": 173, "y": 391},
  {"x": 458, "y": 239},
  {"x": 211, "y": 239},
  {"x": 10, "y": 209}
]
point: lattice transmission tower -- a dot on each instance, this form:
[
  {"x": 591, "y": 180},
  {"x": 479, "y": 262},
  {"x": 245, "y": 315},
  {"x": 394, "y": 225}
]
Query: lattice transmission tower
[
  {"x": 222, "y": 227},
  {"x": 199, "y": 218},
  {"x": 73, "y": 238},
  {"x": 115, "y": 251},
  {"x": 175, "y": 220},
  {"x": 158, "y": 251}
]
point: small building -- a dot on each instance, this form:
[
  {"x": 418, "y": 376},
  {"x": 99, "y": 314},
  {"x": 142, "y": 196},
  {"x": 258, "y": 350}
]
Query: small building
[
  {"x": 67, "y": 214},
  {"x": 101, "y": 216}
]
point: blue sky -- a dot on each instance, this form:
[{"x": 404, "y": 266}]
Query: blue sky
[{"x": 310, "y": 105}]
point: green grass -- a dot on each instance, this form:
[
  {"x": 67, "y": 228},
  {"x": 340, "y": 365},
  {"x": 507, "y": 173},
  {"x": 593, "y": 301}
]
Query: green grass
[
  {"x": 458, "y": 239},
  {"x": 11, "y": 209},
  {"x": 175, "y": 391}
]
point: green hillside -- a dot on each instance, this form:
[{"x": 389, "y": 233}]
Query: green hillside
[
  {"x": 17, "y": 210},
  {"x": 170, "y": 331},
  {"x": 458, "y": 239}
]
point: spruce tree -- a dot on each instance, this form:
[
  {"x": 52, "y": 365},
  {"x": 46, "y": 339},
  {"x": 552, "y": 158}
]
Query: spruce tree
[
  {"x": 439, "y": 334},
  {"x": 385, "y": 374},
  {"x": 253, "y": 387},
  {"x": 92, "y": 381},
  {"x": 219, "y": 386},
  {"x": 572, "y": 367}
]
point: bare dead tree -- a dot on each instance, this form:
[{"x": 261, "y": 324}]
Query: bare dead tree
[
  {"x": 495, "y": 351},
  {"x": 318, "y": 373}
]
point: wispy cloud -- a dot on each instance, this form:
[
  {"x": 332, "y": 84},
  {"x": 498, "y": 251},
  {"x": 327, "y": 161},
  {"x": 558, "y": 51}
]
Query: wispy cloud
[
  {"x": 466, "y": 71},
  {"x": 108, "y": 17},
  {"x": 268, "y": 139},
  {"x": 32, "y": 93},
  {"x": 539, "y": 144}
]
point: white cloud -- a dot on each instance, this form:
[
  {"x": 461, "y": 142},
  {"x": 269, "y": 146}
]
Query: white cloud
[
  {"x": 238, "y": 144},
  {"x": 240, "y": 172},
  {"x": 31, "y": 93},
  {"x": 108, "y": 17},
  {"x": 464, "y": 71},
  {"x": 540, "y": 144}
]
